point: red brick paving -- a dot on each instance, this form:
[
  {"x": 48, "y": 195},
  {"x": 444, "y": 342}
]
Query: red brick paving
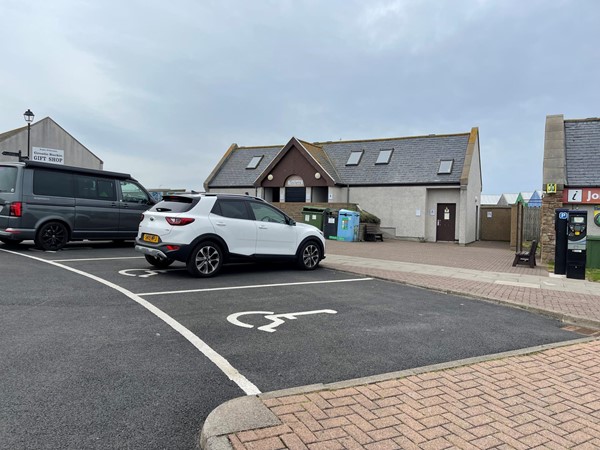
[{"x": 549, "y": 399}]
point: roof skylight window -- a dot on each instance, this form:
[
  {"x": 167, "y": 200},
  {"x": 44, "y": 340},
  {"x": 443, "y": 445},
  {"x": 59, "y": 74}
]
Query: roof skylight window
[
  {"x": 254, "y": 162},
  {"x": 354, "y": 158},
  {"x": 445, "y": 166},
  {"x": 384, "y": 156}
]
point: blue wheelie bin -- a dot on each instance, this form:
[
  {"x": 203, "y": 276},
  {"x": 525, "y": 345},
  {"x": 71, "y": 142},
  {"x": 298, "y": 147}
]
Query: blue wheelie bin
[{"x": 348, "y": 225}]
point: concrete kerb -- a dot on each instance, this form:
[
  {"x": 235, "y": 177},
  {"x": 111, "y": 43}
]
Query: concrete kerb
[
  {"x": 249, "y": 413},
  {"x": 566, "y": 318}
]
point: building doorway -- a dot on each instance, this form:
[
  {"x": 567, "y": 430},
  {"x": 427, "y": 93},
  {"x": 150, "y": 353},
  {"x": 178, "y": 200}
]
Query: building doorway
[
  {"x": 295, "y": 194},
  {"x": 446, "y": 222}
]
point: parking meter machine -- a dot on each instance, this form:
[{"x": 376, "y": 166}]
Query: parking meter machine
[{"x": 576, "y": 244}]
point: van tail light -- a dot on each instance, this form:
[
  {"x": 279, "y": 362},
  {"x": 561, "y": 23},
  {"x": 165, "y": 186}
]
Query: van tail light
[
  {"x": 179, "y": 221},
  {"x": 16, "y": 209}
]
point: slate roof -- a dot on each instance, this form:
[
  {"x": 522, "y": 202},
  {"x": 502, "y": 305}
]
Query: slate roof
[
  {"x": 415, "y": 160},
  {"x": 233, "y": 172},
  {"x": 582, "y": 151}
]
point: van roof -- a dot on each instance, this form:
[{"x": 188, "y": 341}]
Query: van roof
[{"x": 34, "y": 164}]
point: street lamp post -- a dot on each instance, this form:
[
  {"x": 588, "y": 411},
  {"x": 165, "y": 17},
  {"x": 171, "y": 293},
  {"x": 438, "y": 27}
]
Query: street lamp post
[{"x": 28, "y": 115}]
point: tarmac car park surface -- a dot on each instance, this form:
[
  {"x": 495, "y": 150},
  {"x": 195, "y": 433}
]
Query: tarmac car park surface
[{"x": 100, "y": 350}]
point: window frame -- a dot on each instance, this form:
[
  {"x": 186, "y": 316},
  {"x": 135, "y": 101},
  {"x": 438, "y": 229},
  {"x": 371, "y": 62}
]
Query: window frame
[
  {"x": 148, "y": 201},
  {"x": 270, "y": 208},
  {"x": 67, "y": 180},
  {"x": 258, "y": 159},
  {"x": 449, "y": 171},
  {"x": 218, "y": 208},
  {"x": 382, "y": 152},
  {"x": 352, "y": 153}
]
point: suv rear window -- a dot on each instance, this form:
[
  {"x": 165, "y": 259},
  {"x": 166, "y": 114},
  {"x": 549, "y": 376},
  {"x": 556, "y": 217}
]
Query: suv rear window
[
  {"x": 175, "y": 204},
  {"x": 8, "y": 179}
]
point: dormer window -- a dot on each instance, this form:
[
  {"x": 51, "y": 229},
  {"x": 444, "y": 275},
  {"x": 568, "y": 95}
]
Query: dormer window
[
  {"x": 254, "y": 162},
  {"x": 445, "y": 166},
  {"x": 384, "y": 156},
  {"x": 354, "y": 158}
]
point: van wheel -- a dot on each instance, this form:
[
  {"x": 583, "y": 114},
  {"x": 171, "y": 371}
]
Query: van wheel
[
  {"x": 51, "y": 236},
  {"x": 160, "y": 263},
  {"x": 309, "y": 256},
  {"x": 206, "y": 260}
]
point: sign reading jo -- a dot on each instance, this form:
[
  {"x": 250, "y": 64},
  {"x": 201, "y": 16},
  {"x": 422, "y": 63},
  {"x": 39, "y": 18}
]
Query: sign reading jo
[
  {"x": 48, "y": 155},
  {"x": 583, "y": 195}
]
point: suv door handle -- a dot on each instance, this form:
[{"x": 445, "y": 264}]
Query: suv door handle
[
  {"x": 263, "y": 227},
  {"x": 221, "y": 224}
]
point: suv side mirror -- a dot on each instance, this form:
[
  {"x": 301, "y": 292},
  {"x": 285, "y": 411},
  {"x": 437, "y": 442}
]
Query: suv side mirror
[{"x": 290, "y": 221}]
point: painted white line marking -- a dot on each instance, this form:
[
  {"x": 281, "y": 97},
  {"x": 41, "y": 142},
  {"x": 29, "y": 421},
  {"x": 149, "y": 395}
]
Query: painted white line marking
[
  {"x": 218, "y": 360},
  {"x": 98, "y": 259},
  {"x": 275, "y": 318},
  {"x": 255, "y": 286},
  {"x": 518, "y": 284}
]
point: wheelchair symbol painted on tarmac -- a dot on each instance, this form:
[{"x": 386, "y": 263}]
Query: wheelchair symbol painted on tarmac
[
  {"x": 145, "y": 273},
  {"x": 277, "y": 319}
]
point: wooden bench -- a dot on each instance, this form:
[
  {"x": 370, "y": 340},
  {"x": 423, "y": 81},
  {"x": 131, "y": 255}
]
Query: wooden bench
[
  {"x": 372, "y": 232},
  {"x": 526, "y": 257}
]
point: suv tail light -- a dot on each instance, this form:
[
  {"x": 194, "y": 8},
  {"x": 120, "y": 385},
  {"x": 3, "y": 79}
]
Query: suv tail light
[
  {"x": 179, "y": 221},
  {"x": 16, "y": 209}
]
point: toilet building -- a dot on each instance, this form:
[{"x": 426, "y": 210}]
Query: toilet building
[{"x": 422, "y": 188}]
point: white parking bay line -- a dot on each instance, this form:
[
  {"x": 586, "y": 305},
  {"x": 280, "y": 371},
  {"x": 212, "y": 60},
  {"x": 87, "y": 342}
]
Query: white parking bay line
[
  {"x": 98, "y": 259},
  {"x": 254, "y": 286},
  {"x": 248, "y": 387}
]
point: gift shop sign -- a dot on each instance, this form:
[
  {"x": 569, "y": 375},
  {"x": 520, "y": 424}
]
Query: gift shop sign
[
  {"x": 48, "y": 155},
  {"x": 583, "y": 195}
]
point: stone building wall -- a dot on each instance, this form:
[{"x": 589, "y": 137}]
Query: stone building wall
[{"x": 550, "y": 202}]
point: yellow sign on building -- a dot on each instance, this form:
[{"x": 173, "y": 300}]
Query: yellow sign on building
[{"x": 551, "y": 188}]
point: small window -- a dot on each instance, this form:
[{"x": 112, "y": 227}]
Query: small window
[
  {"x": 254, "y": 162},
  {"x": 52, "y": 183},
  {"x": 95, "y": 188},
  {"x": 264, "y": 213},
  {"x": 132, "y": 193},
  {"x": 384, "y": 156},
  {"x": 8, "y": 179},
  {"x": 354, "y": 158},
  {"x": 172, "y": 203},
  {"x": 234, "y": 209},
  {"x": 445, "y": 166}
]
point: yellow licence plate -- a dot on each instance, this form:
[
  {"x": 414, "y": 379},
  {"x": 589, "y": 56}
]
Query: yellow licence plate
[{"x": 150, "y": 238}]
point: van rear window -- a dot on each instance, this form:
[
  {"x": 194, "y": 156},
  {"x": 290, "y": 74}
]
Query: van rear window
[
  {"x": 8, "y": 179},
  {"x": 171, "y": 203},
  {"x": 51, "y": 183}
]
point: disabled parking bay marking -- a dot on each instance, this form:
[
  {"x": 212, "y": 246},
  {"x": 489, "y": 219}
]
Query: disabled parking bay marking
[
  {"x": 145, "y": 273},
  {"x": 276, "y": 319}
]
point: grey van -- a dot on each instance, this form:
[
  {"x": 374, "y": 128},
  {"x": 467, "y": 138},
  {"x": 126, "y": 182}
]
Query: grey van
[{"x": 54, "y": 204}]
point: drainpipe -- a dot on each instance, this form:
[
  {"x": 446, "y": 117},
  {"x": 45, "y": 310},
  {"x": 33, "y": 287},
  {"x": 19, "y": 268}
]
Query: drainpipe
[{"x": 348, "y": 193}]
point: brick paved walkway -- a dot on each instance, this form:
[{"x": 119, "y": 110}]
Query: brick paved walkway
[
  {"x": 549, "y": 400},
  {"x": 546, "y": 399}
]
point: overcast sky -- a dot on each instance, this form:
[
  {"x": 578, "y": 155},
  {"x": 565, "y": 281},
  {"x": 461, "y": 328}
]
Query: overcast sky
[{"x": 161, "y": 89}]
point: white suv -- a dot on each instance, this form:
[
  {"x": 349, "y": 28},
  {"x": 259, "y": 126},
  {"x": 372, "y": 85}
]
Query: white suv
[{"x": 207, "y": 230}]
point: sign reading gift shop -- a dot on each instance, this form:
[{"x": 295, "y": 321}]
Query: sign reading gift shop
[
  {"x": 582, "y": 196},
  {"x": 48, "y": 155}
]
